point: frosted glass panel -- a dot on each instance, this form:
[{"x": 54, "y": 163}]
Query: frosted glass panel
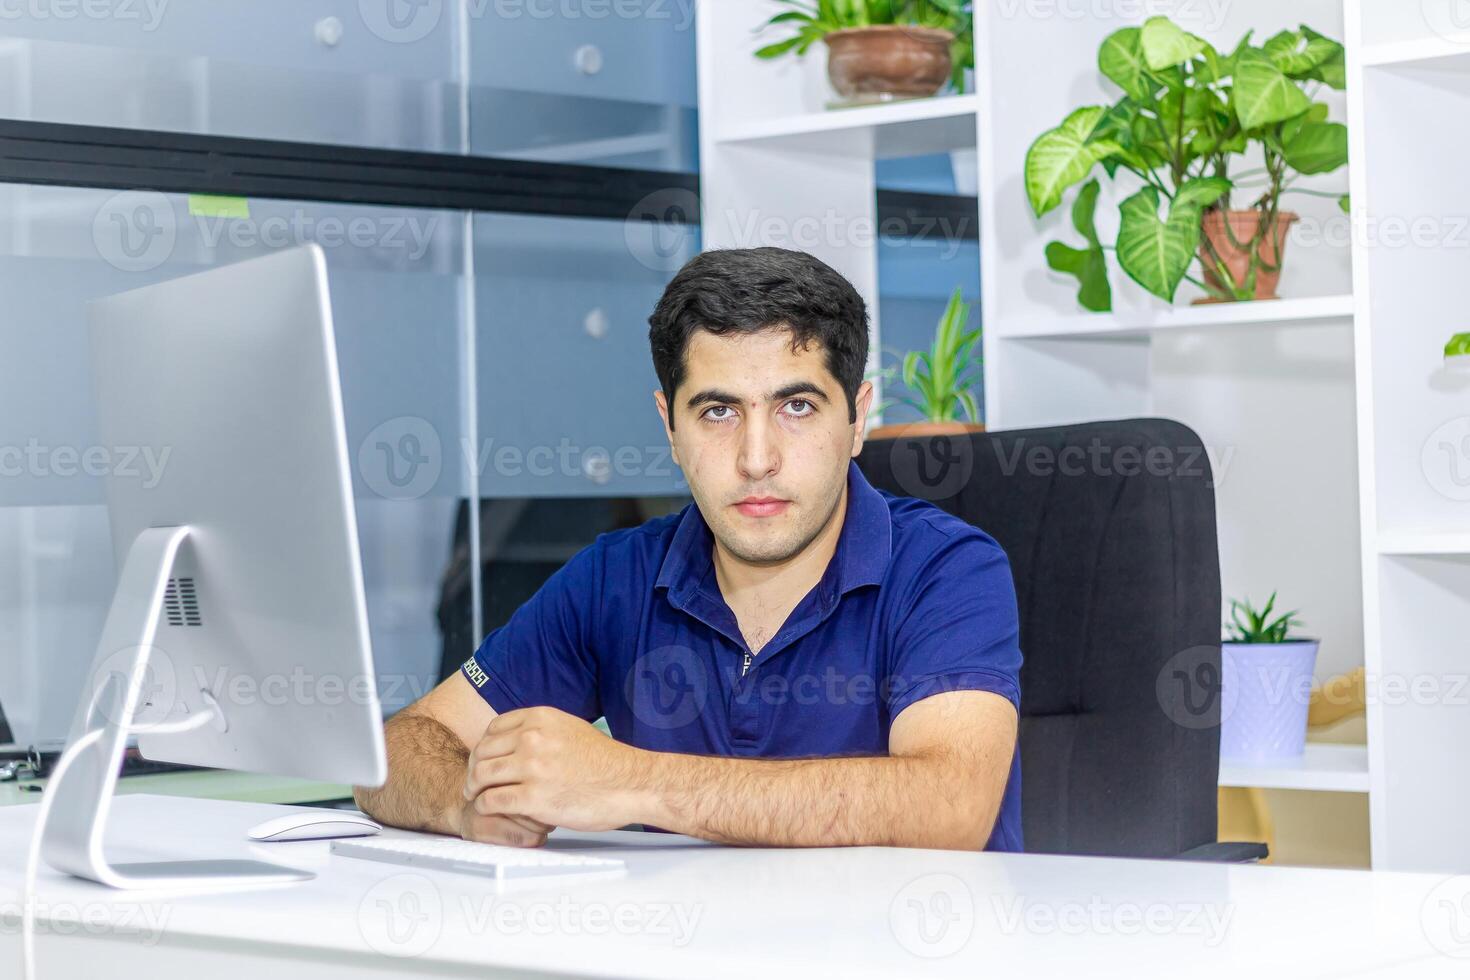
[
  {"x": 255, "y": 69},
  {"x": 396, "y": 302},
  {"x": 565, "y": 375},
  {"x": 609, "y": 84}
]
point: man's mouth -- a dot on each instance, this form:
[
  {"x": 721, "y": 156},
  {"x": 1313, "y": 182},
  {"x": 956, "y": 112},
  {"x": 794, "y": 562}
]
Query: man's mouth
[{"x": 762, "y": 506}]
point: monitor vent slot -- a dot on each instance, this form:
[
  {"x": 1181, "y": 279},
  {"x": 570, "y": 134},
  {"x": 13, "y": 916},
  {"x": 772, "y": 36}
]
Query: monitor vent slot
[{"x": 181, "y": 603}]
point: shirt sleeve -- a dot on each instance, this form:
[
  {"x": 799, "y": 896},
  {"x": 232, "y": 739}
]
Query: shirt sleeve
[
  {"x": 545, "y": 655},
  {"x": 960, "y": 631}
]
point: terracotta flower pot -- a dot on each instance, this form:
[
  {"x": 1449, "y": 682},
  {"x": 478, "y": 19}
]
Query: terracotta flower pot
[
  {"x": 922, "y": 430},
  {"x": 1243, "y": 225},
  {"x": 878, "y": 64}
]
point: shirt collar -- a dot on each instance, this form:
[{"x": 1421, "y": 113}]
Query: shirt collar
[{"x": 861, "y": 557}]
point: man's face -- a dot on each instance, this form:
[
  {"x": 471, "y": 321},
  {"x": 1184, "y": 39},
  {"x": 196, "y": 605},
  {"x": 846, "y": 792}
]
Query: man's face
[{"x": 762, "y": 434}]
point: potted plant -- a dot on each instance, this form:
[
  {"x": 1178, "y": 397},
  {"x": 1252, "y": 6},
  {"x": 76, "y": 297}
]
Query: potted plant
[
  {"x": 1186, "y": 116},
  {"x": 1457, "y": 352},
  {"x": 943, "y": 378},
  {"x": 1265, "y": 685},
  {"x": 881, "y": 50}
]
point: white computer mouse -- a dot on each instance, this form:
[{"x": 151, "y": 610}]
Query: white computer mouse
[{"x": 314, "y": 825}]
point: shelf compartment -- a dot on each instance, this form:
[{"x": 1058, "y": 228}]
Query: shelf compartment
[
  {"x": 911, "y": 128},
  {"x": 1426, "y": 543},
  {"x": 1439, "y": 53},
  {"x": 1322, "y": 768}
]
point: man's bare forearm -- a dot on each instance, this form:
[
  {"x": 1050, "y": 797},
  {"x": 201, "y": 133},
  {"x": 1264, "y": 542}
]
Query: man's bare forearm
[
  {"x": 894, "y": 801},
  {"x": 426, "y": 769}
]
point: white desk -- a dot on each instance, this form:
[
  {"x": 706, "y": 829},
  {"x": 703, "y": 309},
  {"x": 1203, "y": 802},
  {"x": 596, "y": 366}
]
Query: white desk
[{"x": 689, "y": 909}]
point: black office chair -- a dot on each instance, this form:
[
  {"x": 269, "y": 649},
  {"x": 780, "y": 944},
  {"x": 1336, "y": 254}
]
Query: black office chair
[{"x": 1110, "y": 529}]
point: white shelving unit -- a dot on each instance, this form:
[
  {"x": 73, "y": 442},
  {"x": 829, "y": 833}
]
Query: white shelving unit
[
  {"x": 1316, "y": 408},
  {"x": 1409, "y": 75},
  {"x": 778, "y": 167}
]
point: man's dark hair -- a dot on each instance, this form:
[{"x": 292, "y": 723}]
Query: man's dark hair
[{"x": 753, "y": 289}]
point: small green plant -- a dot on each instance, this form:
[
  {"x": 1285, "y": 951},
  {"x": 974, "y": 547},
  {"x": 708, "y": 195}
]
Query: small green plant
[
  {"x": 1187, "y": 113},
  {"x": 1458, "y": 345},
  {"x": 1247, "y": 625},
  {"x": 815, "y": 19},
  {"x": 944, "y": 377}
]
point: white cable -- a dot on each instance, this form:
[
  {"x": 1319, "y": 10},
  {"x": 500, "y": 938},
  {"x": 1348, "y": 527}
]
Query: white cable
[{"x": 33, "y": 856}]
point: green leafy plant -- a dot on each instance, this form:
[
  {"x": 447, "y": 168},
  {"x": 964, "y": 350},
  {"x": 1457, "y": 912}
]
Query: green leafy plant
[
  {"x": 1249, "y": 625},
  {"x": 1186, "y": 113},
  {"x": 1458, "y": 345},
  {"x": 815, "y": 19},
  {"x": 944, "y": 377}
]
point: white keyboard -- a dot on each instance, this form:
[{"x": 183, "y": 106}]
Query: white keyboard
[{"x": 469, "y": 857}]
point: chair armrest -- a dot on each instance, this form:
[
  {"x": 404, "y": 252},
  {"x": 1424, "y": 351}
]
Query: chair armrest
[{"x": 1227, "y": 852}]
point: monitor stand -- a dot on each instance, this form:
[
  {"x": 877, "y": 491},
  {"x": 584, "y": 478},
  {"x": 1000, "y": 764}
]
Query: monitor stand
[{"x": 81, "y": 793}]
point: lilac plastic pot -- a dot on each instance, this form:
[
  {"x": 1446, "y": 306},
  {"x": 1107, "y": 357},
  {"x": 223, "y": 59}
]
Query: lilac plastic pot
[{"x": 1265, "y": 691}]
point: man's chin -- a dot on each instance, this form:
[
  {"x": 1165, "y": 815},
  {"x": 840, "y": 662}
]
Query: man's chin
[{"x": 767, "y": 546}]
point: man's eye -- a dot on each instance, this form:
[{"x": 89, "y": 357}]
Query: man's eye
[
  {"x": 799, "y": 407},
  {"x": 719, "y": 413}
]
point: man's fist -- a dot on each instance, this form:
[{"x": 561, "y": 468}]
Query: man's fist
[
  {"x": 500, "y": 828},
  {"x": 544, "y": 767}
]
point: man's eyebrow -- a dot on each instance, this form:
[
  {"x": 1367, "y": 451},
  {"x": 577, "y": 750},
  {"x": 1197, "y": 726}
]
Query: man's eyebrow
[
  {"x": 712, "y": 395},
  {"x": 798, "y": 388},
  {"x": 719, "y": 397}
]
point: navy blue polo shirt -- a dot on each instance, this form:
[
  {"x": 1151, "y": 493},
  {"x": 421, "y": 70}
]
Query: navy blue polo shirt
[{"x": 914, "y": 602}]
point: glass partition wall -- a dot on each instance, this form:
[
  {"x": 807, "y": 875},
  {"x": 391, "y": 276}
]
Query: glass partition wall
[{"x": 502, "y": 192}]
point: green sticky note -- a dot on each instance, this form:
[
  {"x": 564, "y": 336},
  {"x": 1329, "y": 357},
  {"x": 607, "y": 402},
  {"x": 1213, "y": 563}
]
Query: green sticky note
[{"x": 214, "y": 206}]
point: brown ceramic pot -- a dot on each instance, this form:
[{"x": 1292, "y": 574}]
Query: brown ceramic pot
[
  {"x": 1243, "y": 225},
  {"x": 923, "y": 430},
  {"x": 888, "y": 62}
]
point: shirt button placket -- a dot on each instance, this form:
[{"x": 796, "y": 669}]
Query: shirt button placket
[{"x": 745, "y": 710}]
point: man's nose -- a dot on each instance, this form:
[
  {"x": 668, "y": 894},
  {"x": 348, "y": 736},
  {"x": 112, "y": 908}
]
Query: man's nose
[{"x": 760, "y": 454}]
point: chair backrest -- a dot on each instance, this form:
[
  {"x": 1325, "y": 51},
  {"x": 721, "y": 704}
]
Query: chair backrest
[{"x": 1110, "y": 529}]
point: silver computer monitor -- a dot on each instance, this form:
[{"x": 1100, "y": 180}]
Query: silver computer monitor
[{"x": 238, "y": 635}]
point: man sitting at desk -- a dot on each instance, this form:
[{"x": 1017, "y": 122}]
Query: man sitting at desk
[{"x": 795, "y": 659}]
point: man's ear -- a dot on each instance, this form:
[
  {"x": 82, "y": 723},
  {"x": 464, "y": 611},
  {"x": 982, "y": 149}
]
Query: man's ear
[
  {"x": 864, "y": 403},
  {"x": 663, "y": 412}
]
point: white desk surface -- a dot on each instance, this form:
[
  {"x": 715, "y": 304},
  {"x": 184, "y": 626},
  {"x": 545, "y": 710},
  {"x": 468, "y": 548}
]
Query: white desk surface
[{"x": 690, "y": 909}]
